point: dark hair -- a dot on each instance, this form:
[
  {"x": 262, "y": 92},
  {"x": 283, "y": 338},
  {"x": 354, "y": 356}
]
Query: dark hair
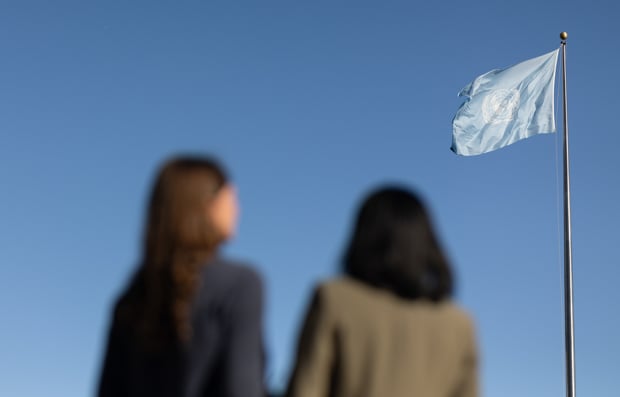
[
  {"x": 178, "y": 241},
  {"x": 394, "y": 247}
]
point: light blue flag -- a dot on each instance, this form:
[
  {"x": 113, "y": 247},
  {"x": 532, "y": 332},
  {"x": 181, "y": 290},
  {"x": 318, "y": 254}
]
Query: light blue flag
[{"x": 506, "y": 105}]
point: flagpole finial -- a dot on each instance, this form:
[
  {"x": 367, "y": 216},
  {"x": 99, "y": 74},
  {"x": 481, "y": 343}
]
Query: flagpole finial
[{"x": 563, "y": 35}]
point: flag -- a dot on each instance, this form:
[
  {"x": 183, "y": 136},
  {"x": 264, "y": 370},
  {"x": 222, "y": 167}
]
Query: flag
[{"x": 506, "y": 105}]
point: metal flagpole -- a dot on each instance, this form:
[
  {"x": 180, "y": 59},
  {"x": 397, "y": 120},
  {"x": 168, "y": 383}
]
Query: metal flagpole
[{"x": 569, "y": 327}]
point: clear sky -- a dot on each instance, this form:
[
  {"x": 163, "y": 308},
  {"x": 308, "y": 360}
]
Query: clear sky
[{"x": 310, "y": 104}]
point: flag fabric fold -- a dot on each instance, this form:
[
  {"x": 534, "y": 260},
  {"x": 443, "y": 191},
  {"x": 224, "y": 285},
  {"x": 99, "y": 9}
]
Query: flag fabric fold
[{"x": 504, "y": 106}]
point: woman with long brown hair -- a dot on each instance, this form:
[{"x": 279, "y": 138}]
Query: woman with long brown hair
[{"x": 189, "y": 323}]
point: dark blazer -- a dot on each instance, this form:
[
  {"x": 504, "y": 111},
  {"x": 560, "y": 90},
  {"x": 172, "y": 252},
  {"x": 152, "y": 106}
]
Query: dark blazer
[
  {"x": 362, "y": 341},
  {"x": 224, "y": 357}
]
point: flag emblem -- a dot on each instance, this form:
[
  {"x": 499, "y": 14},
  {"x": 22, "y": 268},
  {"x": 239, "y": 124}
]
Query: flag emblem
[{"x": 500, "y": 106}]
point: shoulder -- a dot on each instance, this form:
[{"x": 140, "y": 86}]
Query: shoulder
[
  {"x": 342, "y": 292},
  {"x": 226, "y": 280},
  {"x": 233, "y": 272},
  {"x": 344, "y": 288},
  {"x": 455, "y": 310},
  {"x": 339, "y": 286},
  {"x": 355, "y": 298},
  {"x": 457, "y": 315}
]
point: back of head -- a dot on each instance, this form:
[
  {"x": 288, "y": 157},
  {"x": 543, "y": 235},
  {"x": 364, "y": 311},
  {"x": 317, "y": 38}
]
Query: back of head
[
  {"x": 179, "y": 238},
  {"x": 394, "y": 247}
]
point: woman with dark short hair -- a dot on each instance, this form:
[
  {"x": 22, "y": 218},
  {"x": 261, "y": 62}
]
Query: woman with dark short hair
[
  {"x": 387, "y": 327},
  {"x": 189, "y": 323}
]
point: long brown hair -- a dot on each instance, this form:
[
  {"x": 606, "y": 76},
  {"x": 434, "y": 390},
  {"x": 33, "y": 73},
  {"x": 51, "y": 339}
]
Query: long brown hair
[{"x": 178, "y": 240}]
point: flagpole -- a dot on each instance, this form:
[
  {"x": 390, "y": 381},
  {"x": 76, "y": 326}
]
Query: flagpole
[{"x": 569, "y": 327}]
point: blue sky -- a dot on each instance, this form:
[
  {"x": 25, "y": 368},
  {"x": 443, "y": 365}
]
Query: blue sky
[{"x": 310, "y": 104}]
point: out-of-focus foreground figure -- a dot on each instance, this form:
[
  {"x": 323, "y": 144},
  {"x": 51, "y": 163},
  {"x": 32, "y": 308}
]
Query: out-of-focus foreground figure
[
  {"x": 189, "y": 323},
  {"x": 387, "y": 326}
]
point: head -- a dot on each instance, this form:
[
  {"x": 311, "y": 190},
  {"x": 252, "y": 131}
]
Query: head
[
  {"x": 192, "y": 210},
  {"x": 394, "y": 247}
]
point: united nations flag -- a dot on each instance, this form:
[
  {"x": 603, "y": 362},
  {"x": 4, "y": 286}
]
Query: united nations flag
[{"x": 506, "y": 105}]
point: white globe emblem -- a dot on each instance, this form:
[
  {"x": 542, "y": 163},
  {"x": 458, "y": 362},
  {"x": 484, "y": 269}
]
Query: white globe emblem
[{"x": 500, "y": 106}]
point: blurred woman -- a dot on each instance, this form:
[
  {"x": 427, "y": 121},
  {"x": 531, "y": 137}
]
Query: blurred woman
[
  {"x": 190, "y": 322},
  {"x": 387, "y": 327}
]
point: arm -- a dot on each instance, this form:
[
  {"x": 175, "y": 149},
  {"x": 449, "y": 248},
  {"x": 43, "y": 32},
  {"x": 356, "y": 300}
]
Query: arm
[
  {"x": 311, "y": 376},
  {"x": 244, "y": 353}
]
